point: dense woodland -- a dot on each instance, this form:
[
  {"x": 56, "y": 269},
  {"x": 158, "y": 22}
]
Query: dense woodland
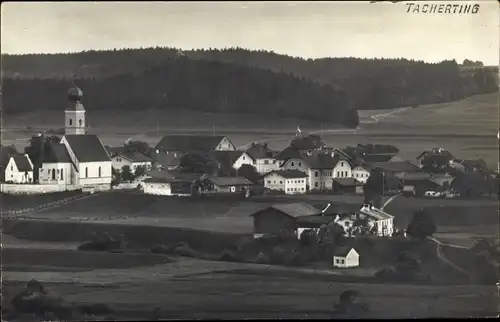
[{"x": 237, "y": 80}]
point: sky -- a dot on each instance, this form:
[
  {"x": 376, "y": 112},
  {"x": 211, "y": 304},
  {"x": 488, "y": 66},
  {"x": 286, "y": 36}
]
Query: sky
[{"x": 309, "y": 30}]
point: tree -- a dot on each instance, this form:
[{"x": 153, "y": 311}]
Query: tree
[
  {"x": 373, "y": 188},
  {"x": 115, "y": 177},
  {"x": 350, "y": 305},
  {"x": 331, "y": 233},
  {"x": 248, "y": 171},
  {"x": 198, "y": 162},
  {"x": 421, "y": 225},
  {"x": 126, "y": 174},
  {"x": 308, "y": 237},
  {"x": 139, "y": 171},
  {"x": 137, "y": 146},
  {"x": 9, "y": 150},
  {"x": 38, "y": 146}
]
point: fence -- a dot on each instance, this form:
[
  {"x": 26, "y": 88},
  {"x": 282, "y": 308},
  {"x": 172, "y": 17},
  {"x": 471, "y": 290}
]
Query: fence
[{"x": 32, "y": 189}]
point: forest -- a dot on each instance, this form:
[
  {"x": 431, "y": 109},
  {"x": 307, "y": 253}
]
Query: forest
[{"x": 237, "y": 80}]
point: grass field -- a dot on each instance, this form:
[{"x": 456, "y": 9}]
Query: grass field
[{"x": 467, "y": 128}]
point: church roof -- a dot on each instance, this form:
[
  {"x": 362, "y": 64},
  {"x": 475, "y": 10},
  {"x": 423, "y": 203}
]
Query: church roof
[
  {"x": 87, "y": 148},
  {"x": 22, "y": 163},
  {"x": 56, "y": 153}
]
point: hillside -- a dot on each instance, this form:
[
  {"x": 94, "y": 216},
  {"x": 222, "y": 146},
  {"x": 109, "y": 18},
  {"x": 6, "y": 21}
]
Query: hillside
[{"x": 226, "y": 80}]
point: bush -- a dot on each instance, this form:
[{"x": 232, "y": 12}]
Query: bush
[
  {"x": 185, "y": 251},
  {"x": 96, "y": 309},
  {"x": 228, "y": 256},
  {"x": 278, "y": 255},
  {"x": 387, "y": 273},
  {"x": 293, "y": 259},
  {"x": 262, "y": 259},
  {"x": 161, "y": 249}
]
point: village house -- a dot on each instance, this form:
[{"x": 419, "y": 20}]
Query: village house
[
  {"x": 79, "y": 158},
  {"x": 290, "y": 181},
  {"x": 165, "y": 161},
  {"x": 280, "y": 219},
  {"x": 131, "y": 159},
  {"x": 184, "y": 143},
  {"x": 320, "y": 168},
  {"x": 361, "y": 173},
  {"x": 346, "y": 257},
  {"x": 16, "y": 169},
  {"x": 478, "y": 165},
  {"x": 437, "y": 158},
  {"x": 226, "y": 185},
  {"x": 378, "y": 221},
  {"x": 259, "y": 156},
  {"x": 228, "y": 161},
  {"x": 346, "y": 186},
  {"x": 170, "y": 183}
]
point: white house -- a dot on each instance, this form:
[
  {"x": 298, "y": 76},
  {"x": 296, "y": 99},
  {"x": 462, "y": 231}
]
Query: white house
[
  {"x": 382, "y": 222},
  {"x": 261, "y": 157},
  {"x": 80, "y": 158},
  {"x": 132, "y": 159},
  {"x": 320, "y": 168},
  {"x": 290, "y": 181},
  {"x": 361, "y": 173},
  {"x": 19, "y": 169},
  {"x": 169, "y": 183},
  {"x": 346, "y": 257}
]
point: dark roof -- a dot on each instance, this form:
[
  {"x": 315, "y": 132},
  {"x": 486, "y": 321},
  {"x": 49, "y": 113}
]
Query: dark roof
[
  {"x": 417, "y": 176},
  {"x": 226, "y": 159},
  {"x": 112, "y": 150},
  {"x": 56, "y": 153},
  {"x": 347, "y": 182},
  {"x": 309, "y": 142},
  {"x": 396, "y": 166},
  {"x": 22, "y": 163},
  {"x": 188, "y": 143},
  {"x": 377, "y": 157},
  {"x": 323, "y": 160},
  {"x": 294, "y": 209},
  {"x": 479, "y": 163},
  {"x": 134, "y": 156},
  {"x": 289, "y": 174},
  {"x": 260, "y": 151},
  {"x": 342, "y": 251},
  {"x": 173, "y": 175},
  {"x": 287, "y": 153},
  {"x": 315, "y": 220},
  {"x": 341, "y": 209},
  {"x": 87, "y": 148},
  {"x": 435, "y": 152},
  {"x": 166, "y": 159},
  {"x": 230, "y": 181}
]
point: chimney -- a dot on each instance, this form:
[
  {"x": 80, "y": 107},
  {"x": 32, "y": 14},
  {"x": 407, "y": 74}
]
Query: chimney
[
  {"x": 265, "y": 145},
  {"x": 253, "y": 143}
]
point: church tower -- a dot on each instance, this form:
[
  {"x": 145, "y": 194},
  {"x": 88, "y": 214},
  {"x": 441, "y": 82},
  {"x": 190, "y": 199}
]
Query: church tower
[{"x": 75, "y": 113}]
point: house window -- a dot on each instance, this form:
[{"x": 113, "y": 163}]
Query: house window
[
  {"x": 243, "y": 157},
  {"x": 293, "y": 163},
  {"x": 341, "y": 164},
  {"x": 53, "y": 174},
  {"x": 274, "y": 161},
  {"x": 266, "y": 161},
  {"x": 80, "y": 122},
  {"x": 338, "y": 173},
  {"x": 268, "y": 181},
  {"x": 281, "y": 182},
  {"x": 337, "y": 261},
  {"x": 62, "y": 176},
  {"x": 99, "y": 171},
  {"x": 86, "y": 172},
  {"x": 300, "y": 164},
  {"x": 70, "y": 122},
  {"x": 315, "y": 173},
  {"x": 11, "y": 168},
  {"x": 342, "y": 261},
  {"x": 316, "y": 184}
]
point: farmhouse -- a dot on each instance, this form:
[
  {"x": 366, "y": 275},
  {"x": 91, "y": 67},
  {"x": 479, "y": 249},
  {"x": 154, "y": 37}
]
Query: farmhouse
[
  {"x": 289, "y": 181},
  {"x": 226, "y": 184},
  {"x": 261, "y": 157},
  {"x": 361, "y": 173},
  {"x": 437, "y": 158},
  {"x": 285, "y": 154},
  {"x": 80, "y": 158},
  {"x": 396, "y": 168},
  {"x": 16, "y": 169},
  {"x": 180, "y": 143},
  {"x": 375, "y": 220},
  {"x": 346, "y": 257},
  {"x": 169, "y": 183},
  {"x": 165, "y": 161},
  {"x": 131, "y": 159},
  {"x": 346, "y": 185},
  {"x": 320, "y": 168},
  {"x": 280, "y": 219}
]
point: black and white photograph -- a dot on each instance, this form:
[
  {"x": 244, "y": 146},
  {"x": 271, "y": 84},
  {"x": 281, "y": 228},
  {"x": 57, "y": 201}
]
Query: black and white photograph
[{"x": 181, "y": 160}]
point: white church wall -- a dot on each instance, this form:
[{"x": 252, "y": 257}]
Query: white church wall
[
  {"x": 35, "y": 189},
  {"x": 63, "y": 173},
  {"x": 89, "y": 173}
]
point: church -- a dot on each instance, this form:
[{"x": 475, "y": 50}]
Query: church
[{"x": 80, "y": 159}]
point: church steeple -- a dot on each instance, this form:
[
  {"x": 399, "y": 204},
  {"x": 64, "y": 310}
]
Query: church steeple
[{"x": 75, "y": 112}]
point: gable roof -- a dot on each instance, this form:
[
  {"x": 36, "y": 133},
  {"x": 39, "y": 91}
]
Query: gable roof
[
  {"x": 188, "y": 143},
  {"x": 230, "y": 181},
  {"x": 315, "y": 220},
  {"x": 87, "y": 148},
  {"x": 294, "y": 209},
  {"x": 289, "y": 174},
  {"x": 347, "y": 182},
  {"x": 22, "y": 163},
  {"x": 225, "y": 158},
  {"x": 323, "y": 160},
  {"x": 260, "y": 151},
  {"x": 56, "y": 153},
  {"x": 396, "y": 166},
  {"x": 287, "y": 153},
  {"x": 166, "y": 159},
  {"x": 375, "y": 213},
  {"x": 133, "y": 156},
  {"x": 343, "y": 251}
]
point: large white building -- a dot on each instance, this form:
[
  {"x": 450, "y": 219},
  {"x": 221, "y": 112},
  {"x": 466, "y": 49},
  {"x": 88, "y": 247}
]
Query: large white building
[
  {"x": 290, "y": 181},
  {"x": 379, "y": 220},
  {"x": 320, "y": 167},
  {"x": 132, "y": 159},
  {"x": 80, "y": 158}
]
